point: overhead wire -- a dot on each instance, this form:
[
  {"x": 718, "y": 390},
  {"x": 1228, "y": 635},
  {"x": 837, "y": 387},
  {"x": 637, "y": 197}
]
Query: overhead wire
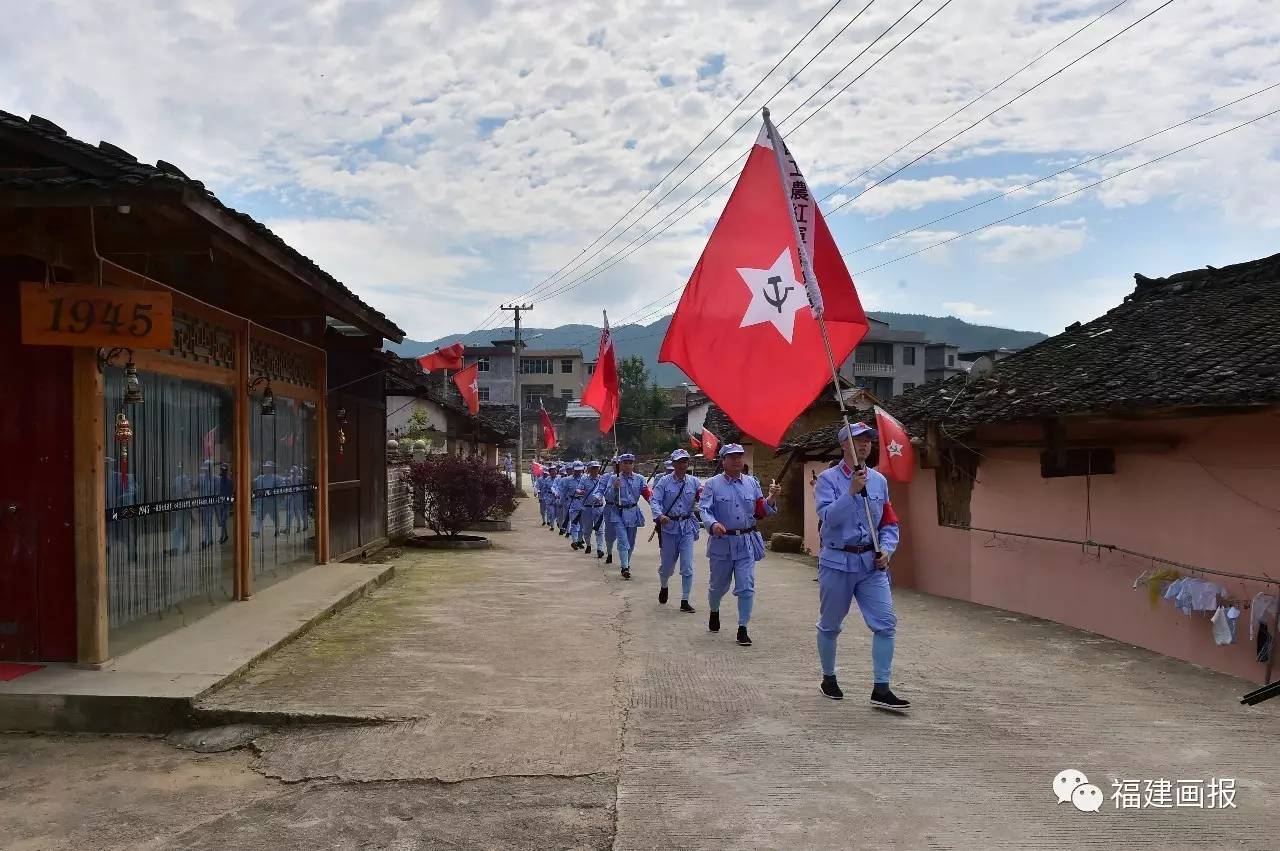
[
  {"x": 888, "y": 177},
  {"x": 622, "y": 254},
  {"x": 529, "y": 294}
]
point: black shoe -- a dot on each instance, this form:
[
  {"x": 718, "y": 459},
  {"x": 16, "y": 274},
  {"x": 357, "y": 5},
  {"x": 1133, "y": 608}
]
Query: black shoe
[
  {"x": 831, "y": 688},
  {"x": 743, "y": 638},
  {"x": 609, "y": 560},
  {"x": 662, "y": 596},
  {"x": 685, "y": 607},
  {"x": 883, "y": 698},
  {"x": 626, "y": 573},
  {"x": 600, "y": 554},
  {"x": 713, "y": 622},
  {"x": 575, "y": 545},
  {"x": 587, "y": 550}
]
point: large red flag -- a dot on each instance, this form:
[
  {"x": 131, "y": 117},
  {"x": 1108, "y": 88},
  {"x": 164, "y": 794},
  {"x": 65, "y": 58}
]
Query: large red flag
[
  {"x": 710, "y": 445},
  {"x": 449, "y": 357},
  {"x": 603, "y": 392},
  {"x": 548, "y": 431},
  {"x": 468, "y": 382},
  {"x": 897, "y": 455},
  {"x": 741, "y": 332}
]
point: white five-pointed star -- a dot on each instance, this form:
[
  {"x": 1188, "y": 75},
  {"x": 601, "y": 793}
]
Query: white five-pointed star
[
  {"x": 894, "y": 447},
  {"x": 776, "y": 295},
  {"x": 475, "y": 386}
]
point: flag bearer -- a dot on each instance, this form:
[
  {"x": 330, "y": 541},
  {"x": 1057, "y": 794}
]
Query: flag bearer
[
  {"x": 575, "y": 490},
  {"x": 610, "y": 532},
  {"x": 622, "y": 492},
  {"x": 731, "y": 503},
  {"x": 592, "y": 509},
  {"x": 674, "y": 505},
  {"x": 849, "y": 568}
]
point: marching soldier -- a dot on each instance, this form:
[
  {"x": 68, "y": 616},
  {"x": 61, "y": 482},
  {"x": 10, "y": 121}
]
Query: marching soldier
[
  {"x": 610, "y": 532},
  {"x": 543, "y": 487},
  {"x": 622, "y": 492},
  {"x": 575, "y": 490},
  {"x": 562, "y": 501},
  {"x": 592, "y": 510},
  {"x": 674, "y": 505},
  {"x": 849, "y": 565},
  {"x": 731, "y": 503}
]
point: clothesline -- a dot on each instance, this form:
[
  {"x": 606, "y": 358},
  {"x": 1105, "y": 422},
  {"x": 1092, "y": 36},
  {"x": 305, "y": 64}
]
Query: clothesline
[{"x": 1114, "y": 548}]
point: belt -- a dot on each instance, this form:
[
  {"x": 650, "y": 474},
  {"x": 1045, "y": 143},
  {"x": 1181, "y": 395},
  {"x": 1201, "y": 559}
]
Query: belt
[
  {"x": 856, "y": 548},
  {"x": 678, "y": 517},
  {"x": 740, "y": 531},
  {"x": 622, "y": 504}
]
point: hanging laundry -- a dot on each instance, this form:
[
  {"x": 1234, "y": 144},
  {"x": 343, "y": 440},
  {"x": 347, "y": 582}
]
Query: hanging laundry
[
  {"x": 1194, "y": 595},
  {"x": 1265, "y": 642},
  {"x": 1261, "y": 611},
  {"x": 1224, "y": 625},
  {"x": 1158, "y": 583}
]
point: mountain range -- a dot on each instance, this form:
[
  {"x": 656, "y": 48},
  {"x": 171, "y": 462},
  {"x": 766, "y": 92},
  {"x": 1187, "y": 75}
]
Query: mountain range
[{"x": 645, "y": 340}]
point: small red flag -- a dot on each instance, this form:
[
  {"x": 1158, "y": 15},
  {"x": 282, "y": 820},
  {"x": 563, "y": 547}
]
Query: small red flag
[
  {"x": 536, "y": 469},
  {"x": 548, "y": 431},
  {"x": 694, "y": 444},
  {"x": 710, "y": 445},
  {"x": 468, "y": 383},
  {"x": 603, "y": 392},
  {"x": 897, "y": 455},
  {"x": 742, "y": 332},
  {"x": 449, "y": 357}
]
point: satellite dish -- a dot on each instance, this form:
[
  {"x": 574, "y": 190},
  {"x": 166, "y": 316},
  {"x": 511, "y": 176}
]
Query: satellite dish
[{"x": 981, "y": 368}]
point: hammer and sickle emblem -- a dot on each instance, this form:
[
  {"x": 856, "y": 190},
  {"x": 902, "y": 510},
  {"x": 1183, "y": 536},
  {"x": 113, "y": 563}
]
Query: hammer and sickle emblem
[{"x": 779, "y": 295}]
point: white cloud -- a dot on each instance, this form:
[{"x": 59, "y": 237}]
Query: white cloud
[
  {"x": 1030, "y": 244},
  {"x": 966, "y": 309},
  {"x": 469, "y": 148}
]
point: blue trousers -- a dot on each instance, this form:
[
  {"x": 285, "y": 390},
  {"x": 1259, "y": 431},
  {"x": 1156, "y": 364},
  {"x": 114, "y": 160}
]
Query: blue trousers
[
  {"x": 626, "y": 543},
  {"x": 742, "y": 571},
  {"x": 548, "y": 512},
  {"x": 610, "y": 535},
  {"x": 677, "y": 545},
  {"x": 837, "y": 589}
]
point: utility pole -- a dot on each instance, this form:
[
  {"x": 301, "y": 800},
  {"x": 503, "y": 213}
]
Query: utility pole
[{"x": 519, "y": 465}]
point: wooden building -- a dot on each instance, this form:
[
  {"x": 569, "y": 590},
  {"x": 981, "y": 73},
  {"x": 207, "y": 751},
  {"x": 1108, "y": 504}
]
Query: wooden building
[{"x": 256, "y": 449}]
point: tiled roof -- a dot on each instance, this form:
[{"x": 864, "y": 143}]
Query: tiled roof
[
  {"x": 1207, "y": 337},
  {"x": 109, "y": 168},
  {"x": 404, "y": 377}
]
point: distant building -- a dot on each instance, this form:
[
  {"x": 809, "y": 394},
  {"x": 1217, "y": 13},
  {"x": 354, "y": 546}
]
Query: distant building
[
  {"x": 941, "y": 361},
  {"x": 543, "y": 373},
  {"x": 887, "y": 362}
]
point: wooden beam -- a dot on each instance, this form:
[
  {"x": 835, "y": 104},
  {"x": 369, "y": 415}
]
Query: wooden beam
[
  {"x": 322, "y": 462},
  {"x": 88, "y": 435}
]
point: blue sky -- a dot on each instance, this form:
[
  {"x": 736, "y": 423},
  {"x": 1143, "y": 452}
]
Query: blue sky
[{"x": 440, "y": 157}]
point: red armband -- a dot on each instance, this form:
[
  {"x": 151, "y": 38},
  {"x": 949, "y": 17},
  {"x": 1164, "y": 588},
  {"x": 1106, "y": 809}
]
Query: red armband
[
  {"x": 888, "y": 515},
  {"x": 646, "y": 493}
]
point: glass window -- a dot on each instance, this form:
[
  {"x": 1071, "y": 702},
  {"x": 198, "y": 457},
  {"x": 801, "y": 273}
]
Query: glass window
[
  {"x": 535, "y": 366},
  {"x": 909, "y": 355},
  {"x": 566, "y": 365},
  {"x": 566, "y": 394},
  {"x": 591, "y": 369},
  {"x": 483, "y": 393},
  {"x": 283, "y": 494},
  {"x": 951, "y": 360},
  {"x": 907, "y": 385},
  {"x": 170, "y": 535},
  {"x": 482, "y": 364}
]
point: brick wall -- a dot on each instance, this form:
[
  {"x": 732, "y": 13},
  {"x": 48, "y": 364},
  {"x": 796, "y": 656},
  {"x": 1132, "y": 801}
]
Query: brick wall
[{"x": 399, "y": 495}]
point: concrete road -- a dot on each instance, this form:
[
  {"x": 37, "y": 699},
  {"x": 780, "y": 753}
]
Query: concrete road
[{"x": 526, "y": 697}]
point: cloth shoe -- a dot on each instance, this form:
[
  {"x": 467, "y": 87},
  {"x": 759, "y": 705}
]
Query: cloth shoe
[
  {"x": 884, "y": 698},
  {"x": 662, "y": 596},
  {"x": 831, "y": 688},
  {"x": 743, "y": 638},
  {"x": 685, "y": 607},
  {"x": 713, "y": 622}
]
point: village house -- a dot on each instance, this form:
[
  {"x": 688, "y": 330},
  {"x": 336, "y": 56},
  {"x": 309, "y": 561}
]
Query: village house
[
  {"x": 449, "y": 426},
  {"x": 1076, "y": 479},
  {"x": 193, "y": 409}
]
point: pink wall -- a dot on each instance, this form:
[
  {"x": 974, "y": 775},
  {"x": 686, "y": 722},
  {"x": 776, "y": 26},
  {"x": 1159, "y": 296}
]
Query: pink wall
[{"x": 1213, "y": 501}]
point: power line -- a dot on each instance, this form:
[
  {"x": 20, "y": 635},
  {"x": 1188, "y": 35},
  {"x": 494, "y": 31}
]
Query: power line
[
  {"x": 1069, "y": 194},
  {"x": 989, "y": 91},
  {"x": 1060, "y": 172},
  {"x": 622, "y": 255},
  {"x": 1014, "y": 100},
  {"x": 710, "y": 132}
]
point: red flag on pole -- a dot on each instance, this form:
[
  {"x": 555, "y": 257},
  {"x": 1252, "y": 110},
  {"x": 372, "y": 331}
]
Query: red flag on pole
[
  {"x": 468, "y": 383},
  {"x": 897, "y": 455},
  {"x": 694, "y": 443},
  {"x": 548, "y": 431},
  {"x": 449, "y": 357},
  {"x": 710, "y": 445},
  {"x": 535, "y": 469},
  {"x": 603, "y": 392},
  {"x": 741, "y": 332}
]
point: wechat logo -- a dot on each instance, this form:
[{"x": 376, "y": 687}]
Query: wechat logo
[{"x": 1071, "y": 785}]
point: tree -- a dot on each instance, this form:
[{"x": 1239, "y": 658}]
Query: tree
[
  {"x": 643, "y": 404},
  {"x": 455, "y": 492}
]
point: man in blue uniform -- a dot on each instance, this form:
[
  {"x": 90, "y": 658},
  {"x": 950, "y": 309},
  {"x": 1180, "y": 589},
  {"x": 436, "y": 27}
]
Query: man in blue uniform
[
  {"x": 674, "y": 505},
  {"x": 850, "y": 567},
  {"x": 621, "y": 493},
  {"x": 610, "y": 534},
  {"x": 543, "y": 488},
  {"x": 592, "y": 507},
  {"x": 575, "y": 490},
  {"x": 562, "y": 500},
  {"x": 731, "y": 503}
]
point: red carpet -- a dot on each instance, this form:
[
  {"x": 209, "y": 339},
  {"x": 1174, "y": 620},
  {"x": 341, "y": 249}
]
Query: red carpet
[{"x": 13, "y": 670}]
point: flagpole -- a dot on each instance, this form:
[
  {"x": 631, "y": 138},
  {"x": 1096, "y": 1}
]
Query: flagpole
[{"x": 810, "y": 281}]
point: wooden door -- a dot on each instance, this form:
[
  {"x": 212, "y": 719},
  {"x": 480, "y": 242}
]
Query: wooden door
[{"x": 37, "y": 540}]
